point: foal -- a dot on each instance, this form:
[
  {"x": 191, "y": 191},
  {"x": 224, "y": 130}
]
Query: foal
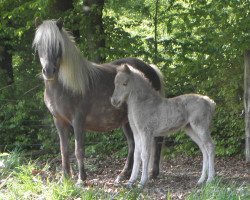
[{"x": 152, "y": 115}]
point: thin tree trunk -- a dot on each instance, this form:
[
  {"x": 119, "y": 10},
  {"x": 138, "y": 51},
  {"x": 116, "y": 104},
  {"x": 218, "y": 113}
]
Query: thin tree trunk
[
  {"x": 6, "y": 64},
  {"x": 62, "y": 6},
  {"x": 155, "y": 32},
  {"x": 247, "y": 103},
  {"x": 95, "y": 36}
]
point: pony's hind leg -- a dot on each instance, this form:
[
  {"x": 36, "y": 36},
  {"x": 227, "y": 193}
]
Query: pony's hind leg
[
  {"x": 189, "y": 131},
  {"x": 154, "y": 168},
  {"x": 126, "y": 172}
]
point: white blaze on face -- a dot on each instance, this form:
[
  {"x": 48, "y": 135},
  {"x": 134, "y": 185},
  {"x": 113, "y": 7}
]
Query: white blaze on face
[{"x": 43, "y": 61}]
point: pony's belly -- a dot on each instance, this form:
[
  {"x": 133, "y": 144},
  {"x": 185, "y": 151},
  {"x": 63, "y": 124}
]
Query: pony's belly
[{"x": 105, "y": 123}]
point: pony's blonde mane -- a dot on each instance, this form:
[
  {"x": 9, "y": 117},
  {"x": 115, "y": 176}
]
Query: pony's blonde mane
[{"x": 75, "y": 73}]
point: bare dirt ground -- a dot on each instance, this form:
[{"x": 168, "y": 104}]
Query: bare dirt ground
[{"x": 178, "y": 176}]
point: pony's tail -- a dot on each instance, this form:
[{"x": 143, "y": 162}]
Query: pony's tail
[{"x": 160, "y": 75}]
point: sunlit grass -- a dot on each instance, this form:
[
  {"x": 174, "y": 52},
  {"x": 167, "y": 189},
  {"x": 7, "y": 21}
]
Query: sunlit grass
[
  {"x": 24, "y": 179},
  {"x": 27, "y": 179},
  {"x": 217, "y": 190}
]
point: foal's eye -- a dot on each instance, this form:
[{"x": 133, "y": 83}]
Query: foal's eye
[{"x": 125, "y": 84}]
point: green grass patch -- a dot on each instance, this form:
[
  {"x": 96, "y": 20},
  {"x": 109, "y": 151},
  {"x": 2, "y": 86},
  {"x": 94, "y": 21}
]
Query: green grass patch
[
  {"x": 25, "y": 179},
  {"x": 217, "y": 190}
]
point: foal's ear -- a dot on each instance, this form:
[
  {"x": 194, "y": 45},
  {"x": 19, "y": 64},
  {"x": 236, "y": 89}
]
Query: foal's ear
[
  {"x": 59, "y": 23},
  {"x": 38, "y": 21},
  {"x": 126, "y": 69}
]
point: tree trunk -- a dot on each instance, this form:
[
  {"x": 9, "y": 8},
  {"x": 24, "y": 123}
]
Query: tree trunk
[
  {"x": 62, "y": 6},
  {"x": 155, "y": 32},
  {"x": 6, "y": 63},
  {"x": 247, "y": 103},
  {"x": 95, "y": 36}
]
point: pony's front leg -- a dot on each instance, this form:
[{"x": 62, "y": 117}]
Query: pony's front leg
[
  {"x": 80, "y": 150},
  {"x": 63, "y": 130},
  {"x": 126, "y": 172}
]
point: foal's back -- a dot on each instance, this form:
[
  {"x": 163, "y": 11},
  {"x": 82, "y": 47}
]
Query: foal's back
[
  {"x": 196, "y": 104},
  {"x": 196, "y": 108},
  {"x": 178, "y": 112}
]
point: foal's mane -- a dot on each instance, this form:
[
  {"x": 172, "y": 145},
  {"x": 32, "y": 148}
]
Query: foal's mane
[
  {"x": 75, "y": 73},
  {"x": 134, "y": 72}
]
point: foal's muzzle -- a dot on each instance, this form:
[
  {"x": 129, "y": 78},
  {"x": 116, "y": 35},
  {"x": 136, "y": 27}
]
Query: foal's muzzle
[{"x": 116, "y": 103}]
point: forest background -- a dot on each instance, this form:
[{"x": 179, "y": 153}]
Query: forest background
[{"x": 198, "y": 45}]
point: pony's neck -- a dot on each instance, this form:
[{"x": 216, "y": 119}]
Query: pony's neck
[{"x": 76, "y": 73}]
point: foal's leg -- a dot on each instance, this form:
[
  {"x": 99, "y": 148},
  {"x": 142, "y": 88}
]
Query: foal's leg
[
  {"x": 208, "y": 144},
  {"x": 210, "y": 147},
  {"x": 126, "y": 172},
  {"x": 205, "y": 139},
  {"x": 137, "y": 160},
  {"x": 198, "y": 141},
  {"x": 146, "y": 145},
  {"x": 63, "y": 130}
]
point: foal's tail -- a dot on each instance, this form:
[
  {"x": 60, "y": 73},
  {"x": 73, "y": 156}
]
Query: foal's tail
[
  {"x": 211, "y": 102},
  {"x": 160, "y": 75}
]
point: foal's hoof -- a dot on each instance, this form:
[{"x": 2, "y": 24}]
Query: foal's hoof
[
  {"x": 201, "y": 181},
  {"x": 118, "y": 179},
  {"x": 128, "y": 185},
  {"x": 140, "y": 186},
  {"x": 80, "y": 183},
  {"x": 210, "y": 179}
]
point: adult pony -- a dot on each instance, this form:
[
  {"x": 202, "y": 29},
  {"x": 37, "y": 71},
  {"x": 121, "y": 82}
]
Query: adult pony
[
  {"x": 77, "y": 93},
  {"x": 152, "y": 115}
]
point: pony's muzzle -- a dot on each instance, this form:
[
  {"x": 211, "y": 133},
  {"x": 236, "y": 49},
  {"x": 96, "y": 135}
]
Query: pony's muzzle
[{"x": 49, "y": 73}]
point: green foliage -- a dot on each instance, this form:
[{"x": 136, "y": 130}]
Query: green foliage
[{"x": 99, "y": 144}]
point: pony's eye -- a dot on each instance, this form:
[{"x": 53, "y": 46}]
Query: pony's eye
[{"x": 125, "y": 84}]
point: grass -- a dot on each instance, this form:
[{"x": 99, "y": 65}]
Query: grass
[
  {"x": 217, "y": 190},
  {"x": 22, "y": 178}
]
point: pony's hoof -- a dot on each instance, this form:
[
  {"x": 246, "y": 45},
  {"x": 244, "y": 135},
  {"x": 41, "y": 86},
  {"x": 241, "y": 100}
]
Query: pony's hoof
[{"x": 153, "y": 174}]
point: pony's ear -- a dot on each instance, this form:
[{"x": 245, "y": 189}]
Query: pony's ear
[
  {"x": 38, "y": 21},
  {"x": 59, "y": 23},
  {"x": 126, "y": 69}
]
